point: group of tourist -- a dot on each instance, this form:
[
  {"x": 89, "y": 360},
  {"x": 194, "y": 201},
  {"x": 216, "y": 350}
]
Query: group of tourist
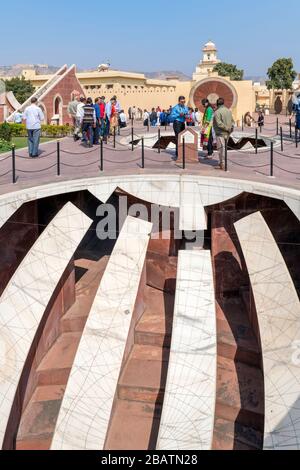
[
  {"x": 216, "y": 123},
  {"x": 95, "y": 120},
  {"x": 100, "y": 119},
  {"x": 162, "y": 117}
]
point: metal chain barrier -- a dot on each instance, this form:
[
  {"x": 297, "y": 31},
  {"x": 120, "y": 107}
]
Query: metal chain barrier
[
  {"x": 5, "y": 174},
  {"x": 139, "y": 140},
  {"x": 249, "y": 166},
  {"x": 79, "y": 166},
  {"x": 37, "y": 171}
]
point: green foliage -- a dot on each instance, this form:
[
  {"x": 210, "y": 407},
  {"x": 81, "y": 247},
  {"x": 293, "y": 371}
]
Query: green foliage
[
  {"x": 5, "y": 132},
  {"x": 5, "y": 146},
  {"x": 56, "y": 131},
  {"x": 229, "y": 70},
  {"x": 19, "y": 130},
  {"x": 21, "y": 88},
  {"x": 281, "y": 74}
]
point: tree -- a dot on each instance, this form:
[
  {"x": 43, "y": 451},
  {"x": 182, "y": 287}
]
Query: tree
[
  {"x": 229, "y": 70},
  {"x": 281, "y": 75},
  {"x": 21, "y": 88}
]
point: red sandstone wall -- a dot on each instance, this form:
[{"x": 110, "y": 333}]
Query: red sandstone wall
[
  {"x": 16, "y": 238},
  {"x": 64, "y": 89}
]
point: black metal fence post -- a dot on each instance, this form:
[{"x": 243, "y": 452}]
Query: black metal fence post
[
  {"x": 290, "y": 123},
  {"x": 119, "y": 130},
  {"x": 183, "y": 153},
  {"x": 115, "y": 132},
  {"x": 226, "y": 154},
  {"x": 256, "y": 140},
  {"x": 277, "y": 126},
  {"x": 281, "y": 138},
  {"x": 13, "y": 157},
  {"x": 159, "y": 134},
  {"x": 272, "y": 159},
  {"x": 296, "y": 137},
  {"x": 58, "y": 158},
  {"x": 101, "y": 156},
  {"x": 132, "y": 137},
  {"x": 143, "y": 153}
]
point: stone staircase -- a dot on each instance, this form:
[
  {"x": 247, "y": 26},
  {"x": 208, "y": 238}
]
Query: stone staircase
[
  {"x": 40, "y": 414},
  {"x": 142, "y": 381},
  {"x": 239, "y": 417}
]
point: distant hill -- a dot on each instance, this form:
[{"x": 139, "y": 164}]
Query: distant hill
[
  {"x": 163, "y": 75},
  {"x": 16, "y": 70}
]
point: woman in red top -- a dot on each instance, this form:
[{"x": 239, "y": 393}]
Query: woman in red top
[{"x": 114, "y": 119}]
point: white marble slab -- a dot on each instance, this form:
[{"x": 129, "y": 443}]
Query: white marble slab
[
  {"x": 27, "y": 295},
  {"x": 192, "y": 214},
  {"x": 278, "y": 311},
  {"x": 158, "y": 189},
  {"x": 85, "y": 413},
  {"x": 189, "y": 405}
]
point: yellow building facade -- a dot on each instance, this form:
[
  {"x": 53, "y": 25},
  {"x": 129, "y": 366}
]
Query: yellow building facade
[{"x": 135, "y": 89}]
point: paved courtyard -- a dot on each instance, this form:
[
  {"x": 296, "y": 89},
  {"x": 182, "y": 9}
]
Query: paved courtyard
[{"x": 77, "y": 161}]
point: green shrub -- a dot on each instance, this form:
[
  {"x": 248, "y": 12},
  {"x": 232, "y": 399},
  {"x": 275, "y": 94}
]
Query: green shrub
[
  {"x": 56, "y": 131},
  {"x": 5, "y": 132},
  {"x": 19, "y": 130},
  {"x": 5, "y": 146}
]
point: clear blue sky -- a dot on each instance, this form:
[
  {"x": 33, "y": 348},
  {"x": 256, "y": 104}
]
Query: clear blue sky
[{"x": 149, "y": 35}]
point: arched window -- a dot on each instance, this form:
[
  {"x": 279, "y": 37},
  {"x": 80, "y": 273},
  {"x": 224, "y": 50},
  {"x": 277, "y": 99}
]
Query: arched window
[{"x": 58, "y": 109}]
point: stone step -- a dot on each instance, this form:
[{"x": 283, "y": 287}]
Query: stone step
[
  {"x": 161, "y": 272},
  {"x": 39, "y": 419},
  {"x": 236, "y": 339},
  {"x": 144, "y": 375},
  {"x": 231, "y": 435},
  {"x": 238, "y": 343},
  {"x": 240, "y": 393},
  {"x": 141, "y": 422},
  {"x": 155, "y": 326},
  {"x": 55, "y": 367},
  {"x": 86, "y": 288}
]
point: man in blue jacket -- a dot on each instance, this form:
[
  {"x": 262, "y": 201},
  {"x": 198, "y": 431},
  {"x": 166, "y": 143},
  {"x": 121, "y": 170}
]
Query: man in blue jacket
[{"x": 178, "y": 117}]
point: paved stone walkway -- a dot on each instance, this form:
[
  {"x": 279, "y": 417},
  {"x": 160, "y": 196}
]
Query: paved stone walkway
[{"x": 77, "y": 161}]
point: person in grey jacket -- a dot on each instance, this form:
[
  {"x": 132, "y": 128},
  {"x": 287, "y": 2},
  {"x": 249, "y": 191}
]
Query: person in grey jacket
[{"x": 223, "y": 126}]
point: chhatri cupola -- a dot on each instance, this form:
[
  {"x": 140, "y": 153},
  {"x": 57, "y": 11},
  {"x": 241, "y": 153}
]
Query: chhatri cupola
[{"x": 208, "y": 62}]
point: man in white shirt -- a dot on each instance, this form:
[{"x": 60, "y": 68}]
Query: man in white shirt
[
  {"x": 18, "y": 118},
  {"x": 79, "y": 117},
  {"x": 198, "y": 117},
  {"x": 33, "y": 116},
  {"x": 123, "y": 119}
]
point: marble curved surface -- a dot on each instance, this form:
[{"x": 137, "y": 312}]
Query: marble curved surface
[
  {"x": 278, "y": 311},
  {"x": 87, "y": 404},
  {"x": 27, "y": 295},
  {"x": 165, "y": 190},
  {"x": 187, "y": 420}
]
